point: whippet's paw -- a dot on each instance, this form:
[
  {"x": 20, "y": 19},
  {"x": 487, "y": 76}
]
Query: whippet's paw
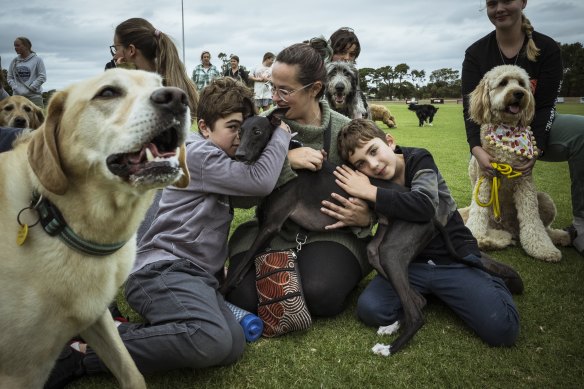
[
  {"x": 559, "y": 237},
  {"x": 495, "y": 240},
  {"x": 382, "y": 349},
  {"x": 388, "y": 330}
]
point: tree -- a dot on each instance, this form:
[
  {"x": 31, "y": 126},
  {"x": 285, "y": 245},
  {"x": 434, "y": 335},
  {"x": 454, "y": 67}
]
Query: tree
[
  {"x": 417, "y": 76},
  {"x": 385, "y": 77},
  {"x": 366, "y": 75},
  {"x": 444, "y": 82},
  {"x": 401, "y": 72},
  {"x": 225, "y": 61},
  {"x": 573, "y": 61}
]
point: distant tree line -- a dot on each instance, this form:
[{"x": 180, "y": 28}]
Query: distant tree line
[{"x": 399, "y": 82}]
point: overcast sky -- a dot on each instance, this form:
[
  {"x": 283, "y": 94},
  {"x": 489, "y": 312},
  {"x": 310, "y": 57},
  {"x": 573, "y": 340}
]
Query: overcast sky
[{"x": 73, "y": 36}]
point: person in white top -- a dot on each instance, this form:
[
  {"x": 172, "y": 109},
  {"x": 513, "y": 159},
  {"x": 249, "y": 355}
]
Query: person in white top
[{"x": 262, "y": 78}]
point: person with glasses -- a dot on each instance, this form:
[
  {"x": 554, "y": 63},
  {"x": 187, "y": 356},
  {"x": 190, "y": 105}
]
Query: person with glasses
[
  {"x": 138, "y": 45},
  {"x": 560, "y": 137},
  {"x": 205, "y": 71},
  {"x": 262, "y": 77},
  {"x": 330, "y": 263}
]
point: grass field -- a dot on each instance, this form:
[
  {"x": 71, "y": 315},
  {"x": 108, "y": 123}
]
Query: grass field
[{"x": 335, "y": 352}]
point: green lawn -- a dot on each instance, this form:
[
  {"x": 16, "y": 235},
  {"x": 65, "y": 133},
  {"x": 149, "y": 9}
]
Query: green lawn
[{"x": 335, "y": 353}]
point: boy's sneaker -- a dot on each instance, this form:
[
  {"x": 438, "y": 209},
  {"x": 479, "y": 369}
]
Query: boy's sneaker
[{"x": 68, "y": 368}]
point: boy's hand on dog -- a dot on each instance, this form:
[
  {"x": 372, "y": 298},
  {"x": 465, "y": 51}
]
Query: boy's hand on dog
[
  {"x": 352, "y": 212},
  {"x": 306, "y": 158},
  {"x": 355, "y": 183}
]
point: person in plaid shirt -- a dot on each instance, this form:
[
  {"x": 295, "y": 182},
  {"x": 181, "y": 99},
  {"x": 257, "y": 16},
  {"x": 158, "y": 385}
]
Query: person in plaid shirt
[{"x": 205, "y": 71}]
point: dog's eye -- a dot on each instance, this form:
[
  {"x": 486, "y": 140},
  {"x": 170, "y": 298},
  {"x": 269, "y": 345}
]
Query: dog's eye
[
  {"x": 108, "y": 92},
  {"x": 27, "y": 109},
  {"x": 503, "y": 83},
  {"x": 9, "y": 108}
]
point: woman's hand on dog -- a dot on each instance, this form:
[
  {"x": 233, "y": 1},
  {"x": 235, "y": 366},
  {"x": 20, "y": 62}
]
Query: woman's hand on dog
[
  {"x": 484, "y": 159},
  {"x": 306, "y": 158},
  {"x": 352, "y": 212},
  {"x": 526, "y": 167}
]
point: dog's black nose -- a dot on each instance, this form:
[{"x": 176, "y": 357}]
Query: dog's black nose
[
  {"x": 170, "y": 98},
  {"x": 518, "y": 95},
  {"x": 19, "y": 122},
  {"x": 340, "y": 87}
]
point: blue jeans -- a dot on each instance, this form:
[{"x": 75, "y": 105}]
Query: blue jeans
[
  {"x": 482, "y": 301},
  {"x": 187, "y": 324}
]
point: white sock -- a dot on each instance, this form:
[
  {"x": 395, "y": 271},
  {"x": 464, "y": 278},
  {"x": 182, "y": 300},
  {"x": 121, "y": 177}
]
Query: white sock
[{"x": 76, "y": 346}]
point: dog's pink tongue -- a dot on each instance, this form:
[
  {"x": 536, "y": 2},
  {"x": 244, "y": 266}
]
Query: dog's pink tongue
[
  {"x": 513, "y": 108},
  {"x": 157, "y": 153}
]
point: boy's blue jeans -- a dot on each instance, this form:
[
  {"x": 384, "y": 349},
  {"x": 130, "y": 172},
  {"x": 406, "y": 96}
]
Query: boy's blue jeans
[
  {"x": 482, "y": 301},
  {"x": 188, "y": 323}
]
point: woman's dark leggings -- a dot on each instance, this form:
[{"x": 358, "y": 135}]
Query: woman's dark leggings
[{"x": 328, "y": 273}]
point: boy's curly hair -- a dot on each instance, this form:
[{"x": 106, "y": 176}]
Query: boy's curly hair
[
  {"x": 355, "y": 134},
  {"x": 224, "y": 96}
]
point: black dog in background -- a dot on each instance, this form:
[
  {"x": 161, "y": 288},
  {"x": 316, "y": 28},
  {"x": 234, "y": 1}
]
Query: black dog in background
[{"x": 424, "y": 112}]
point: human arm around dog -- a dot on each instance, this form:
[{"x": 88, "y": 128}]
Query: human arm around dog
[
  {"x": 193, "y": 223},
  {"x": 428, "y": 197}
]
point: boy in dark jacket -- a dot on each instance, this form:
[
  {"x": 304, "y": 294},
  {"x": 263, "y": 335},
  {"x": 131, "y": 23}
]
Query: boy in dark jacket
[{"x": 482, "y": 301}]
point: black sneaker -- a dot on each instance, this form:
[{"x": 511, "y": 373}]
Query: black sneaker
[
  {"x": 576, "y": 241},
  {"x": 573, "y": 233},
  {"x": 68, "y": 368}
]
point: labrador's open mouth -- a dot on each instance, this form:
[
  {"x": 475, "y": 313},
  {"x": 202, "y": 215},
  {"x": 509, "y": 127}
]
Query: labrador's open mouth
[{"x": 157, "y": 160}]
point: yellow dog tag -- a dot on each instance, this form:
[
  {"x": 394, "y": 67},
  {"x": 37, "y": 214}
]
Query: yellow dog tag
[{"x": 22, "y": 234}]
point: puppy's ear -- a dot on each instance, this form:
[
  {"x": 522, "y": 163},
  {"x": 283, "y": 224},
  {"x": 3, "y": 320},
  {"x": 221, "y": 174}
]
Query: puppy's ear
[
  {"x": 43, "y": 150},
  {"x": 38, "y": 118},
  {"x": 275, "y": 117},
  {"x": 480, "y": 104},
  {"x": 185, "y": 178}
]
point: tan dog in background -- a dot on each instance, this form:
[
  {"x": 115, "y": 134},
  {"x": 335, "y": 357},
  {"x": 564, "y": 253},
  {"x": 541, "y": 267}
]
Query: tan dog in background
[
  {"x": 503, "y": 105},
  {"x": 382, "y": 114},
  {"x": 106, "y": 144},
  {"x": 20, "y": 112}
]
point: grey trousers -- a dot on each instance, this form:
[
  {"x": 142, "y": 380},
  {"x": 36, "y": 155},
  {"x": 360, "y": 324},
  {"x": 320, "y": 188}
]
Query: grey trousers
[
  {"x": 187, "y": 324},
  {"x": 566, "y": 143}
]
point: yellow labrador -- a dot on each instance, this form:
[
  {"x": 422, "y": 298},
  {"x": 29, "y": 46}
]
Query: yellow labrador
[
  {"x": 20, "y": 112},
  {"x": 82, "y": 183}
]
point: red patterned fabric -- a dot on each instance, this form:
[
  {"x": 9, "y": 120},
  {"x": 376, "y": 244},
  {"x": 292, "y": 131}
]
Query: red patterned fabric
[{"x": 281, "y": 304}]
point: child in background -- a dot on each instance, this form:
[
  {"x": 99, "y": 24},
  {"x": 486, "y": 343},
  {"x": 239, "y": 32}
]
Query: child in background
[{"x": 482, "y": 301}]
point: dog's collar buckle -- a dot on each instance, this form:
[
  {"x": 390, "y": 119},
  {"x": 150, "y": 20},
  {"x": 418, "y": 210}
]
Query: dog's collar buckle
[{"x": 55, "y": 225}]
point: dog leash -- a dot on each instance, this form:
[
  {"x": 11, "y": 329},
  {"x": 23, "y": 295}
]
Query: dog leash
[{"x": 502, "y": 169}]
